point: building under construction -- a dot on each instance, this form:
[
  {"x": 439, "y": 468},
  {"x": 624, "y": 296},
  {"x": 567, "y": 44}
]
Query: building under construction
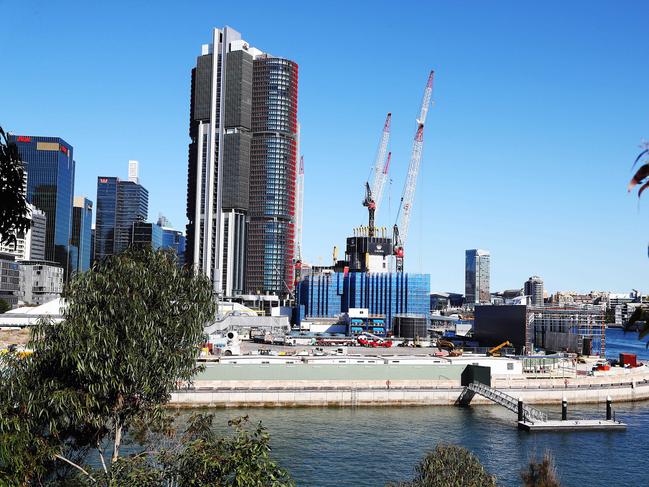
[{"x": 574, "y": 328}]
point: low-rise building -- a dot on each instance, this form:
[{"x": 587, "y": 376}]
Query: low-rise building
[
  {"x": 41, "y": 281},
  {"x": 9, "y": 279}
]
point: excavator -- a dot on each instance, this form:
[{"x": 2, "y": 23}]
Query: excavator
[
  {"x": 450, "y": 346},
  {"x": 495, "y": 351}
]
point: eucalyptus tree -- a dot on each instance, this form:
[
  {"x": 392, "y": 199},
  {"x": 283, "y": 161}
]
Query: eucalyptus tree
[
  {"x": 131, "y": 329},
  {"x": 14, "y": 212}
]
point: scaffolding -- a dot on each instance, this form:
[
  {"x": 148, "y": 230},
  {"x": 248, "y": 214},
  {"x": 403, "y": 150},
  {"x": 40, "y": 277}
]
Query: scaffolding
[{"x": 566, "y": 328}]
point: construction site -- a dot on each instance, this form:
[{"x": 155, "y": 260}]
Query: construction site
[{"x": 371, "y": 275}]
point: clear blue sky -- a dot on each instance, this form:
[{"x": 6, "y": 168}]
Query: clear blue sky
[{"x": 539, "y": 110}]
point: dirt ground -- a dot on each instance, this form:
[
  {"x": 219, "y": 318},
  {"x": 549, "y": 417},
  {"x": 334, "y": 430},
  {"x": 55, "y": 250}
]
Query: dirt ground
[{"x": 19, "y": 336}]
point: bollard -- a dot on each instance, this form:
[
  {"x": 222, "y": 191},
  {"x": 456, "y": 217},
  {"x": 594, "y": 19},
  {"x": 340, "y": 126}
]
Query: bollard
[
  {"x": 609, "y": 409},
  {"x": 564, "y": 409},
  {"x": 520, "y": 409}
]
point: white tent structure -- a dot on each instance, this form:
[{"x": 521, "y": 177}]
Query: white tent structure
[{"x": 29, "y": 315}]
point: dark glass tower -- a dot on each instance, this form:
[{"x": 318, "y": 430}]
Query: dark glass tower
[
  {"x": 81, "y": 232},
  {"x": 241, "y": 168},
  {"x": 119, "y": 205},
  {"x": 50, "y": 188},
  {"x": 273, "y": 163}
]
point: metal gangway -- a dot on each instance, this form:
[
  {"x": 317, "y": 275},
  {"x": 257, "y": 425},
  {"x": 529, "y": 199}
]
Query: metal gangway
[{"x": 530, "y": 414}]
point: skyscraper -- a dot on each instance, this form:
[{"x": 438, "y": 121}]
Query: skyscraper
[
  {"x": 477, "y": 277},
  {"x": 273, "y": 173},
  {"x": 172, "y": 239},
  {"x": 146, "y": 234},
  {"x": 241, "y": 168},
  {"x": 81, "y": 232},
  {"x": 50, "y": 187},
  {"x": 119, "y": 205},
  {"x": 533, "y": 288}
]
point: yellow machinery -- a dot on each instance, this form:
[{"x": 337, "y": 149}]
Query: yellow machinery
[{"x": 495, "y": 352}]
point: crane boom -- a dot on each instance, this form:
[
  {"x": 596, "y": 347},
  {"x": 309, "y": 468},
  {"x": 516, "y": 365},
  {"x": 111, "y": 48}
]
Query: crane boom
[
  {"x": 379, "y": 163},
  {"x": 381, "y": 184},
  {"x": 371, "y": 192},
  {"x": 408, "y": 196},
  {"x": 425, "y": 101}
]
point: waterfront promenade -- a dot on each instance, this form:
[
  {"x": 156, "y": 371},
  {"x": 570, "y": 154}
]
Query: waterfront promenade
[{"x": 383, "y": 385}]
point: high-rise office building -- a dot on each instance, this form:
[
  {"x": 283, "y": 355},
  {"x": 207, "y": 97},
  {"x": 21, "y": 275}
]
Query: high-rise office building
[
  {"x": 273, "y": 173},
  {"x": 81, "y": 232},
  {"x": 29, "y": 244},
  {"x": 119, "y": 205},
  {"x": 145, "y": 234},
  {"x": 50, "y": 188},
  {"x": 133, "y": 171},
  {"x": 477, "y": 277},
  {"x": 533, "y": 288},
  {"x": 172, "y": 239},
  {"x": 241, "y": 168}
]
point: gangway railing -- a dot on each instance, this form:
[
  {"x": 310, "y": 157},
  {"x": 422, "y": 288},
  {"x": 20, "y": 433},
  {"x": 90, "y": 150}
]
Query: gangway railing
[{"x": 530, "y": 414}]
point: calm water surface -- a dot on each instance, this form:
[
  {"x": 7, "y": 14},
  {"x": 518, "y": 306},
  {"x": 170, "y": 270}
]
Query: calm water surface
[{"x": 371, "y": 446}]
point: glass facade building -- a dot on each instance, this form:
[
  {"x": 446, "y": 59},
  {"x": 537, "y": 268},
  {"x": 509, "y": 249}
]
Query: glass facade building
[
  {"x": 273, "y": 173},
  {"x": 50, "y": 188},
  {"x": 146, "y": 234},
  {"x": 175, "y": 240},
  {"x": 477, "y": 277},
  {"x": 326, "y": 295},
  {"x": 242, "y": 167},
  {"x": 119, "y": 205},
  {"x": 81, "y": 233}
]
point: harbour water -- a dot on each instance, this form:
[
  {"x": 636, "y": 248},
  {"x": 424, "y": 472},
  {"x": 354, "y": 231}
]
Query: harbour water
[{"x": 372, "y": 446}]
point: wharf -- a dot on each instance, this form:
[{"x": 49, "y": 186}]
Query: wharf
[{"x": 572, "y": 425}]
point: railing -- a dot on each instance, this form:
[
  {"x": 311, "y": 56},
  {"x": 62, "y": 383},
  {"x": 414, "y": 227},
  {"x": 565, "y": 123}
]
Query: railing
[{"x": 530, "y": 414}]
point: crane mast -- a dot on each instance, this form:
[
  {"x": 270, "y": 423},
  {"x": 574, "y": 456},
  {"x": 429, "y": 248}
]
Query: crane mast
[
  {"x": 372, "y": 198},
  {"x": 298, "y": 221},
  {"x": 400, "y": 230}
]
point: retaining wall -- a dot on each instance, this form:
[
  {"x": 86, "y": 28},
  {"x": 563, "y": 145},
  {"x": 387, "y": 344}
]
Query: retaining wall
[{"x": 625, "y": 386}]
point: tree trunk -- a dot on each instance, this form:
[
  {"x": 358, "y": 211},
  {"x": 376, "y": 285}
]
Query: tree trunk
[{"x": 118, "y": 441}]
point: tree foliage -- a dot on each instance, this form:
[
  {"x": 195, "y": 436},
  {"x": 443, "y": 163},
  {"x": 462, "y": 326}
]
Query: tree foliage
[
  {"x": 450, "y": 466},
  {"x": 14, "y": 212},
  {"x": 131, "y": 330},
  {"x": 540, "y": 474},
  {"x": 4, "y": 306},
  {"x": 639, "y": 320}
]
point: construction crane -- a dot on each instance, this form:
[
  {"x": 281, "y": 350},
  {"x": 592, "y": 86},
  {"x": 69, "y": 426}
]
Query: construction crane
[
  {"x": 400, "y": 230},
  {"x": 372, "y": 198},
  {"x": 298, "y": 221}
]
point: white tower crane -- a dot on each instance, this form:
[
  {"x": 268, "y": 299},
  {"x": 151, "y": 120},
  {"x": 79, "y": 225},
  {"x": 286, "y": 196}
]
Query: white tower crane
[
  {"x": 299, "y": 218},
  {"x": 372, "y": 198},
  {"x": 403, "y": 216}
]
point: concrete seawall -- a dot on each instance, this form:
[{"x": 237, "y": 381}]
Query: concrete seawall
[{"x": 621, "y": 388}]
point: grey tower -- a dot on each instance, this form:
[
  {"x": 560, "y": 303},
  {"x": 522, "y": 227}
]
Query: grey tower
[
  {"x": 241, "y": 166},
  {"x": 477, "y": 277},
  {"x": 534, "y": 289},
  {"x": 219, "y": 160}
]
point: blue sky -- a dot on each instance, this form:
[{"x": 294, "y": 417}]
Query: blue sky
[{"x": 539, "y": 108}]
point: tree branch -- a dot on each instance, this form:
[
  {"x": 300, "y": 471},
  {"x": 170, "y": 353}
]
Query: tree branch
[
  {"x": 56, "y": 455},
  {"x": 101, "y": 457}
]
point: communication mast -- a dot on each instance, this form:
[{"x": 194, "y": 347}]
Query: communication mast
[{"x": 400, "y": 230}]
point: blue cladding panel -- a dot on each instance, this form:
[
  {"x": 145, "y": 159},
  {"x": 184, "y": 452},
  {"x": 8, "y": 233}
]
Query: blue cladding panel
[{"x": 327, "y": 295}]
